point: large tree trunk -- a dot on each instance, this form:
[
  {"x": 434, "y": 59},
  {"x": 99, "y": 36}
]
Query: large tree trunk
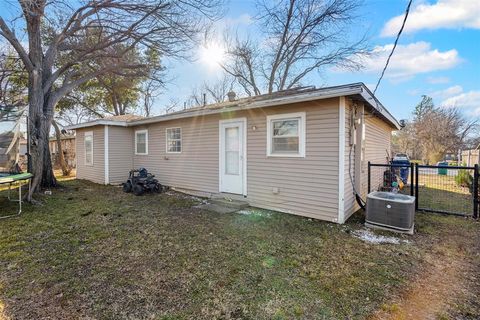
[
  {"x": 39, "y": 150},
  {"x": 40, "y": 111}
]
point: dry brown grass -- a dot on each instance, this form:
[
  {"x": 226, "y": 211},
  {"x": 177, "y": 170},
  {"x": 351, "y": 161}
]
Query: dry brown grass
[{"x": 91, "y": 251}]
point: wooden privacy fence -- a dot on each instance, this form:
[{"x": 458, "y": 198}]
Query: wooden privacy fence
[{"x": 471, "y": 157}]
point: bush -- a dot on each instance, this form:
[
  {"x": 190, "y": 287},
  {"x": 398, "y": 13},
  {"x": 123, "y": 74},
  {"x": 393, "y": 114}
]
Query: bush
[{"x": 464, "y": 178}]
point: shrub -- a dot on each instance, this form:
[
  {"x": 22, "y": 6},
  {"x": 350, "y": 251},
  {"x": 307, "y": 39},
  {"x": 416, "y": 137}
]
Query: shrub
[{"x": 464, "y": 178}]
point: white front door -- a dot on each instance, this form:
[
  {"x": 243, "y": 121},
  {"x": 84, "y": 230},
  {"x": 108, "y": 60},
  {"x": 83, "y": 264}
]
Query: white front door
[{"x": 232, "y": 156}]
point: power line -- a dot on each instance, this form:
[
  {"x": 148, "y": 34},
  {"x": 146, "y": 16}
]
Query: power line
[{"x": 394, "y": 45}]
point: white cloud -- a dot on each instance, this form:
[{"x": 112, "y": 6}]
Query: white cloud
[
  {"x": 409, "y": 60},
  {"x": 470, "y": 99},
  {"x": 449, "y": 92},
  {"x": 476, "y": 112},
  {"x": 447, "y": 14},
  {"x": 438, "y": 80},
  {"x": 243, "y": 19}
]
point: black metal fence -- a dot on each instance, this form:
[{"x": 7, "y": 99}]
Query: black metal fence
[
  {"x": 443, "y": 189},
  {"x": 391, "y": 178}
]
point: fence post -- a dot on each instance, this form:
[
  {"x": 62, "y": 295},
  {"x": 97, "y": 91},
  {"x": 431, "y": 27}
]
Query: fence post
[
  {"x": 411, "y": 178},
  {"x": 416, "y": 187},
  {"x": 368, "y": 175},
  {"x": 475, "y": 192}
]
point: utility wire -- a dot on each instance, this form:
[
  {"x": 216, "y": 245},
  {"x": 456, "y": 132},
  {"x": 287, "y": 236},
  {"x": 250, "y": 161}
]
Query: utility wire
[{"x": 394, "y": 45}]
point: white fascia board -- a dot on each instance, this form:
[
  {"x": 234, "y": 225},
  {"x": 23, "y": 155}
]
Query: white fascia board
[
  {"x": 97, "y": 123},
  {"x": 311, "y": 96},
  {"x": 348, "y": 90},
  {"x": 375, "y": 104}
]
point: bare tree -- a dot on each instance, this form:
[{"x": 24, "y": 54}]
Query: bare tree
[
  {"x": 302, "y": 36},
  {"x": 406, "y": 141},
  {"x": 434, "y": 131},
  {"x": 69, "y": 43},
  {"x": 211, "y": 92},
  {"x": 13, "y": 96},
  {"x": 76, "y": 113}
]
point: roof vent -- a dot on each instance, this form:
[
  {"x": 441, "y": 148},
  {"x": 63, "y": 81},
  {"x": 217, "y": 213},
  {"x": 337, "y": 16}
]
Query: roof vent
[{"x": 231, "y": 96}]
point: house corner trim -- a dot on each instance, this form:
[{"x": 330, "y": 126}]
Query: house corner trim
[
  {"x": 341, "y": 161},
  {"x": 106, "y": 151}
]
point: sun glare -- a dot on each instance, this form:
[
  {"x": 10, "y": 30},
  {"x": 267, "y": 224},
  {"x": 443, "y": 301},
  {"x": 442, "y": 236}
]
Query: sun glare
[{"x": 212, "y": 55}]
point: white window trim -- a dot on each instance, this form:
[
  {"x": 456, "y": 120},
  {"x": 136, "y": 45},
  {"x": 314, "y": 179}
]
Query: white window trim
[
  {"x": 146, "y": 142},
  {"x": 166, "y": 140},
  {"x": 87, "y": 134},
  {"x": 301, "y": 134}
]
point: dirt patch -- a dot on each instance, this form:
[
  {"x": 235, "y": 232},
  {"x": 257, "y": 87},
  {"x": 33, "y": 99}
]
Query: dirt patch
[{"x": 444, "y": 284}]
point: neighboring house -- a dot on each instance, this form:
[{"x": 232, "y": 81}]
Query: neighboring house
[
  {"x": 68, "y": 149},
  {"x": 298, "y": 151},
  {"x": 8, "y": 150}
]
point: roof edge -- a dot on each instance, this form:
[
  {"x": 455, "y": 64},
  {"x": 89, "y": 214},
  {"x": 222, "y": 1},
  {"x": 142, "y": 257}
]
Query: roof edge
[
  {"x": 377, "y": 106},
  {"x": 358, "y": 88},
  {"x": 99, "y": 122}
]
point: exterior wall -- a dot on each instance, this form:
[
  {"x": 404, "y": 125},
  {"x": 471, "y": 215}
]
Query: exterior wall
[
  {"x": 120, "y": 153},
  {"x": 350, "y": 205},
  {"x": 95, "y": 173},
  {"x": 376, "y": 144},
  {"x": 307, "y": 186},
  {"x": 378, "y": 135}
]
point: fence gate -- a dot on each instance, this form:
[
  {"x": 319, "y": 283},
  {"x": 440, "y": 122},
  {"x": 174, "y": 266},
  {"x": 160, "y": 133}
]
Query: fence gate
[
  {"x": 443, "y": 189},
  {"x": 447, "y": 189}
]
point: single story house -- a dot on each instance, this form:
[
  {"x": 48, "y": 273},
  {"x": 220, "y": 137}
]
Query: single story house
[{"x": 301, "y": 151}]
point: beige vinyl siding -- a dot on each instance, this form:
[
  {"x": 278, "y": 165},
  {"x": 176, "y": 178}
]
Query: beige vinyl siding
[
  {"x": 120, "y": 151},
  {"x": 95, "y": 173},
  {"x": 350, "y": 204},
  {"x": 377, "y": 140},
  {"x": 196, "y": 167},
  {"x": 307, "y": 186},
  {"x": 378, "y": 136}
]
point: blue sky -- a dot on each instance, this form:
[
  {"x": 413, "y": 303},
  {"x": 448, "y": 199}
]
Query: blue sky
[{"x": 438, "y": 55}]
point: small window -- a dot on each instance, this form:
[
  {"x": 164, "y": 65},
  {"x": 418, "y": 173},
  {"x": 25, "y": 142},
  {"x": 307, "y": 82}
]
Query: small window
[
  {"x": 141, "y": 142},
  {"x": 174, "y": 140},
  {"x": 286, "y": 135},
  {"x": 88, "y": 144}
]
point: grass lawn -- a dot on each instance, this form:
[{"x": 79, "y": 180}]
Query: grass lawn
[
  {"x": 441, "y": 192},
  {"x": 91, "y": 251}
]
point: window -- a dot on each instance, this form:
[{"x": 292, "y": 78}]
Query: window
[
  {"x": 286, "y": 135},
  {"x": 141, "y": 142},
  {"x": 88, "y": 144},
  {"x": 174, "y": 140}
]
